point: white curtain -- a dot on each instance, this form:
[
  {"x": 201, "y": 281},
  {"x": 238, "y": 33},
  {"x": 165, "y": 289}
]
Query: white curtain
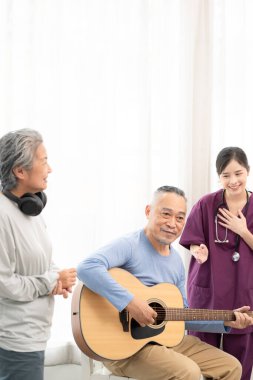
[
  {"x": 129, "y": 95},
  {"x": 232, "y": 83}
]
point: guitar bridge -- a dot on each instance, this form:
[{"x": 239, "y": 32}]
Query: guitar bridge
[{"x": 124, "y": 319}]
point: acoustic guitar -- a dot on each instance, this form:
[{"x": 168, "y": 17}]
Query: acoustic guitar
[{"x": 104, "y": 333}]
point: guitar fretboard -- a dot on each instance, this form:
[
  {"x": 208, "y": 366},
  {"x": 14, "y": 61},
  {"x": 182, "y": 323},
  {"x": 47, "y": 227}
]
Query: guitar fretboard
[{"x": 177, "y": 314}]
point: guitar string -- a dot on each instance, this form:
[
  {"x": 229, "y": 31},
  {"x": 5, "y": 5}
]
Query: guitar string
[
  {"x": 188, "y": 314},
  {"x": 194, "y": 311},
  {"x": 189, "y": 311},
  {"x": 201, "y": 311}
]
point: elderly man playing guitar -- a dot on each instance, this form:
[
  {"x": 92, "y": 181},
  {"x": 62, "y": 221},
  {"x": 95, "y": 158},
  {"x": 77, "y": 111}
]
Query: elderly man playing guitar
[{"x": 119, "y": 300}]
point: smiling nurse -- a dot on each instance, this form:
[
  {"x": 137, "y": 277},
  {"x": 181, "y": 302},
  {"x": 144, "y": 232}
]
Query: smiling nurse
[{"x": 219, "y": 234}]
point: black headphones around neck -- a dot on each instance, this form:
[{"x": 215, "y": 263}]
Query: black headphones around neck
[{"x": 30, "y": 204}]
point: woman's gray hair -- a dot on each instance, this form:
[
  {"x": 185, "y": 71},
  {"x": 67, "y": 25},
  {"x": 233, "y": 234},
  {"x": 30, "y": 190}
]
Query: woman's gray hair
[{"x": 17, "y": 148}]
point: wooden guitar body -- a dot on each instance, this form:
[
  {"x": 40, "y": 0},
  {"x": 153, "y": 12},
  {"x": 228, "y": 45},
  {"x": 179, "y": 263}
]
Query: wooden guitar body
[{"x": 97, "y": 328}]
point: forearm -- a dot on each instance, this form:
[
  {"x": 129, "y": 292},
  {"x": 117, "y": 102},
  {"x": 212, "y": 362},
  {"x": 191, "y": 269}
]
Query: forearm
[
  {"x": 93, "y": 272},
  {"x": 207, "y": 326},
  {"x": 96, "y": 277},
  {"x": 26, "y": 273},
  {"x": 26, "y": 288}
]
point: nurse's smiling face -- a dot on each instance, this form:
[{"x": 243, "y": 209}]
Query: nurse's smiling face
[{"x": 234, "y": 178}]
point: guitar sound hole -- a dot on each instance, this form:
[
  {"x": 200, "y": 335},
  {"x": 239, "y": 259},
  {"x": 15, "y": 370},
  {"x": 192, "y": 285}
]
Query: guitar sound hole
[{"x": 160, "y": 312}]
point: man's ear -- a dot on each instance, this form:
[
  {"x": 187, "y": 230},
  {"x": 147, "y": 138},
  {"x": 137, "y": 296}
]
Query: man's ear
[
  {"x": 147, "y": 211},
  {"x": 19, "y": 172}
]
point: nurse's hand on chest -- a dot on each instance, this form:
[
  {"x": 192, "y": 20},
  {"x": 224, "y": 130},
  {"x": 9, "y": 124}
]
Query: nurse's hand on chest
[
  {"x": 200, "y": 252},
  {"x": 235, "y": 223}
]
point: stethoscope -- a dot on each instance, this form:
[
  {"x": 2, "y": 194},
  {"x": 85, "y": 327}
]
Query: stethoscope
[{"x": 236, "y": 254}]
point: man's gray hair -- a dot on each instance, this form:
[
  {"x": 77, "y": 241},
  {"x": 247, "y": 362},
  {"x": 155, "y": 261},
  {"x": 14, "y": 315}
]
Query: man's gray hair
[
  {"x": 169, "y": 189},
  {"x": 17, "y": 148}
]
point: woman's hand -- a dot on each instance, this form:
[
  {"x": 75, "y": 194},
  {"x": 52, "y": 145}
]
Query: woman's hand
[
  {"x": 235, "y": 223},
  {"x": 200, "y": 252},
  {"x": 67, "y": 277},
  {"x": 58, "y": 290}
]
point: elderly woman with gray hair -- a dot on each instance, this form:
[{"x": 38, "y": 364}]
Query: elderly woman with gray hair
[{"x": 28, "y": 277}]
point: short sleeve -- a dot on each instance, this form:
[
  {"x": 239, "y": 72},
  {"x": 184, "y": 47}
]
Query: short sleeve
[{"x": 193, "y": 232}]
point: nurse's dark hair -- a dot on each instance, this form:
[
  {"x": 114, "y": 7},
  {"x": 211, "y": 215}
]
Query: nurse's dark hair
[
  {"x": 17, "y": 148},
  {"x": 170, "y": 189},
  {"x": 228, "y": 154}
]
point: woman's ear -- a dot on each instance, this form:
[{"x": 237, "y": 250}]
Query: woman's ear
[{"x": 19, "y": 172}]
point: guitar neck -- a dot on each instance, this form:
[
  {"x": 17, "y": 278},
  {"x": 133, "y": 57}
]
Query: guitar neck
[{"x": 178, "y": 314}]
